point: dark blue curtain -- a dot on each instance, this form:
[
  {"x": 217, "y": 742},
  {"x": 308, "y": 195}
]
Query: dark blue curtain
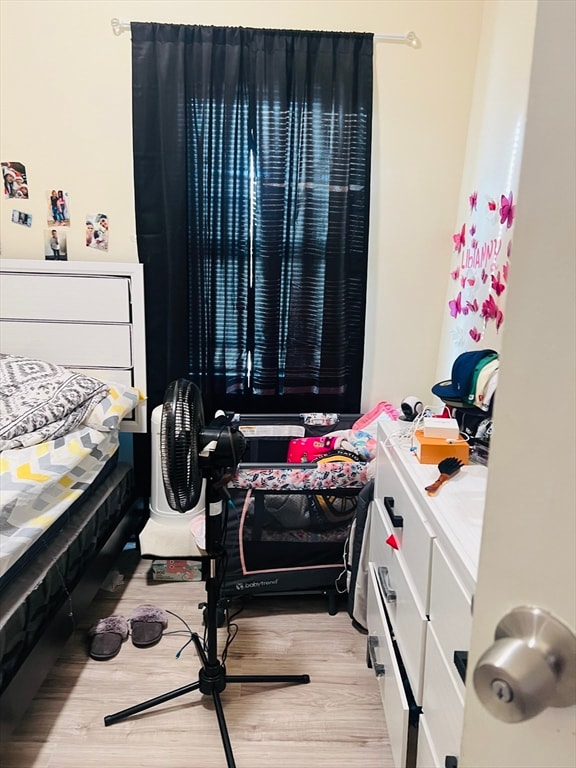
[
  {"x": 252, "y": 177},
  {"x": 312, "y": 103}
]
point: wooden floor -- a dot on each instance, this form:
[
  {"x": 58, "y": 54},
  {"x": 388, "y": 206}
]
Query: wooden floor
[{"x": 333, "y": 722}]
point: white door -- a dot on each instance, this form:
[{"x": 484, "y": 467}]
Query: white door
[{"x": 528, "y": 552}]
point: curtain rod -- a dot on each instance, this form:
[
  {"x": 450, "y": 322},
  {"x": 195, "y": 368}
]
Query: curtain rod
[{"x": 408, "y": 39}]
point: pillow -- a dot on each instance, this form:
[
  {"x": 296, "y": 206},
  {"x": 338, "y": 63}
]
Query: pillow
[
  {"x": 41, "y": 400},
  {"x": 106, "y": 415}
]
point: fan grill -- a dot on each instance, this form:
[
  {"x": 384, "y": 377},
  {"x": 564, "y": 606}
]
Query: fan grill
[{"x": 182, "y": 422}]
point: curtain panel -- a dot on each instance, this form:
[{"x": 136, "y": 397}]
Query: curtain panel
[{"x": 252, "y": 179}]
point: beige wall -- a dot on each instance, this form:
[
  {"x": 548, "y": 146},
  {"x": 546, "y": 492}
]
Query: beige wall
[
  {"x": 65, "y": 111},
  {"x": 491, "y": 168}
]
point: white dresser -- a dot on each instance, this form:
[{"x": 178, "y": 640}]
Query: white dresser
[
  {"x": 84, "y": 315},
  {"x": 420, "y": 598}
]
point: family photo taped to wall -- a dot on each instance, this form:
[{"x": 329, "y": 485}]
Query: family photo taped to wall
[
  {"x": 15, "y": 180},
  {"x": 58, "y": 212},
  {"x": 55, "y": 245},
  {"x": 97, "y": 231}
]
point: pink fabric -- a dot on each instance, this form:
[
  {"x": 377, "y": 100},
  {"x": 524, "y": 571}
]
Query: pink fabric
[
  {"x": 304, "y": 449},
  {"x": 383, "y": 407}
]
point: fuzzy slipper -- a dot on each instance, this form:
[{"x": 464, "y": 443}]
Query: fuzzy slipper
[
  {"x": 107, "y": 636},
  {"x": 147, "y": 623}
]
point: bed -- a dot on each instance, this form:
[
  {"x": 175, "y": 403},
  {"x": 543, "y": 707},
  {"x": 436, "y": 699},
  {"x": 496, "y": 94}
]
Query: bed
[{"x": 67, "y": 502}]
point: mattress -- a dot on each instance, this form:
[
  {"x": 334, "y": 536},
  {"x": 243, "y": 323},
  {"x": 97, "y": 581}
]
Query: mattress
[
  {"x": 39, "y": 483},
  {"x": 31, "y": 602}
]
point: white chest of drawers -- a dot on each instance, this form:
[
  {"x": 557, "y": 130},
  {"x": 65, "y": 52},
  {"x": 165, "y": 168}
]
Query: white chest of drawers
[{"x": 420, "y": 598}]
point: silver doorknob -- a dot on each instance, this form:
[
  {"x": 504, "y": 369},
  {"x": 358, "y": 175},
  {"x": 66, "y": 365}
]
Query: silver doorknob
[{"x": 531, "y": 666}]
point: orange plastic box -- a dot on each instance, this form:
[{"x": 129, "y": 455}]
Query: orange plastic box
[{"x": 431, "y": 450}]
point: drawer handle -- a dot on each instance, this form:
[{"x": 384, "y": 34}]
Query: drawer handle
[
  {"x": 377, "y": 666},
  {"x": 461, "y": 663},
  {"x": 384, "y": 579},
  {"x": 396, "y": 520}
]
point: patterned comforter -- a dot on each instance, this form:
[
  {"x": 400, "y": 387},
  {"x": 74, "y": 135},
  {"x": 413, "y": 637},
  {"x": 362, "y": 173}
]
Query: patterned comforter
[{"x": 38, "y": 484}]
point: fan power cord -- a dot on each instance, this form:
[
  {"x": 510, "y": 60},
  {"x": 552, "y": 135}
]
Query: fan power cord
[{"x": 189, "y": 631}]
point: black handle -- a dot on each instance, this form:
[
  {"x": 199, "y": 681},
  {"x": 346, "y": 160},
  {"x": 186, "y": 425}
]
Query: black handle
[
  {"x": 450, "y": 761},
  {"x": 384, "y": 580},
  {"x": 377, "y": 666},
  {"x": 396, "y": 520},
  {"x": 461, "y": 663}
]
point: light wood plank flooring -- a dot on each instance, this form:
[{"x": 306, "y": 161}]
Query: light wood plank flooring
[{"x": 335, "y": 721}]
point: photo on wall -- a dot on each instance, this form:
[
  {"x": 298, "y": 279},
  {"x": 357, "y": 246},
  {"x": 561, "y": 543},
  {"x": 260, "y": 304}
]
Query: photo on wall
[
  {"x": 55, "y": 245},
  {"x": 19, "y": 217},
  {"x": 97, "y": 231},
  {"x": 58, "y": 213},
  {"x": 15, "y": 180}
]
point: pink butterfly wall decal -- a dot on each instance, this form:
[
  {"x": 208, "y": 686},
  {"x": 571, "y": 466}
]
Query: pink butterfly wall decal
[
  {"x": 489, "y": 308},
  {"x": 455, "y": 305},
  {"x": 473, "y": 200},
  {"x": 505, "y": 268},
  {"x": 509, "y": 250},
  {"x": 460, "y": 239},
  {"x": 507, "y": 210},
  {"x": 490, "y": 311},
  {"x": 472, "y": 306},
  {"x": 475, "y": 334},
  {"x": 497, "y": 286},
  {"x": 492, "y": 205},
  {"x": 484, "y": 275},
  {"x": 472, "y": 230},
  {"x": 455, "y": 274}
]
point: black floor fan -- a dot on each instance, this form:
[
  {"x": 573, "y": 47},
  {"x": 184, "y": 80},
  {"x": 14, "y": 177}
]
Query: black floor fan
[{"x": 190, "y": 452}]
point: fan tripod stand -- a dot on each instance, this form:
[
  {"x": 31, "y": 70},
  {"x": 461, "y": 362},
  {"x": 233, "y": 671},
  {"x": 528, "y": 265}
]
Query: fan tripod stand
[{"x": 212, "y": 678}]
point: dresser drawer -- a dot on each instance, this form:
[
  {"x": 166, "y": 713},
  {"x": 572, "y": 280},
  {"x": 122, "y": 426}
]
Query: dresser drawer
[
  {"x": 87, "y": 298},
  {"x": 383, "y": 658},
  {"x": 412, "y": 531},
  {"x": 381, "y": 553},
  {"x": 81, "y": 345},
  {"x": 409, "y": 623},
  {"x": 425, "y": 755},
  {"x": 403, "y": 606},
  {"x": 443, "y": 703},
  {"x": 450, "y": 611}
]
